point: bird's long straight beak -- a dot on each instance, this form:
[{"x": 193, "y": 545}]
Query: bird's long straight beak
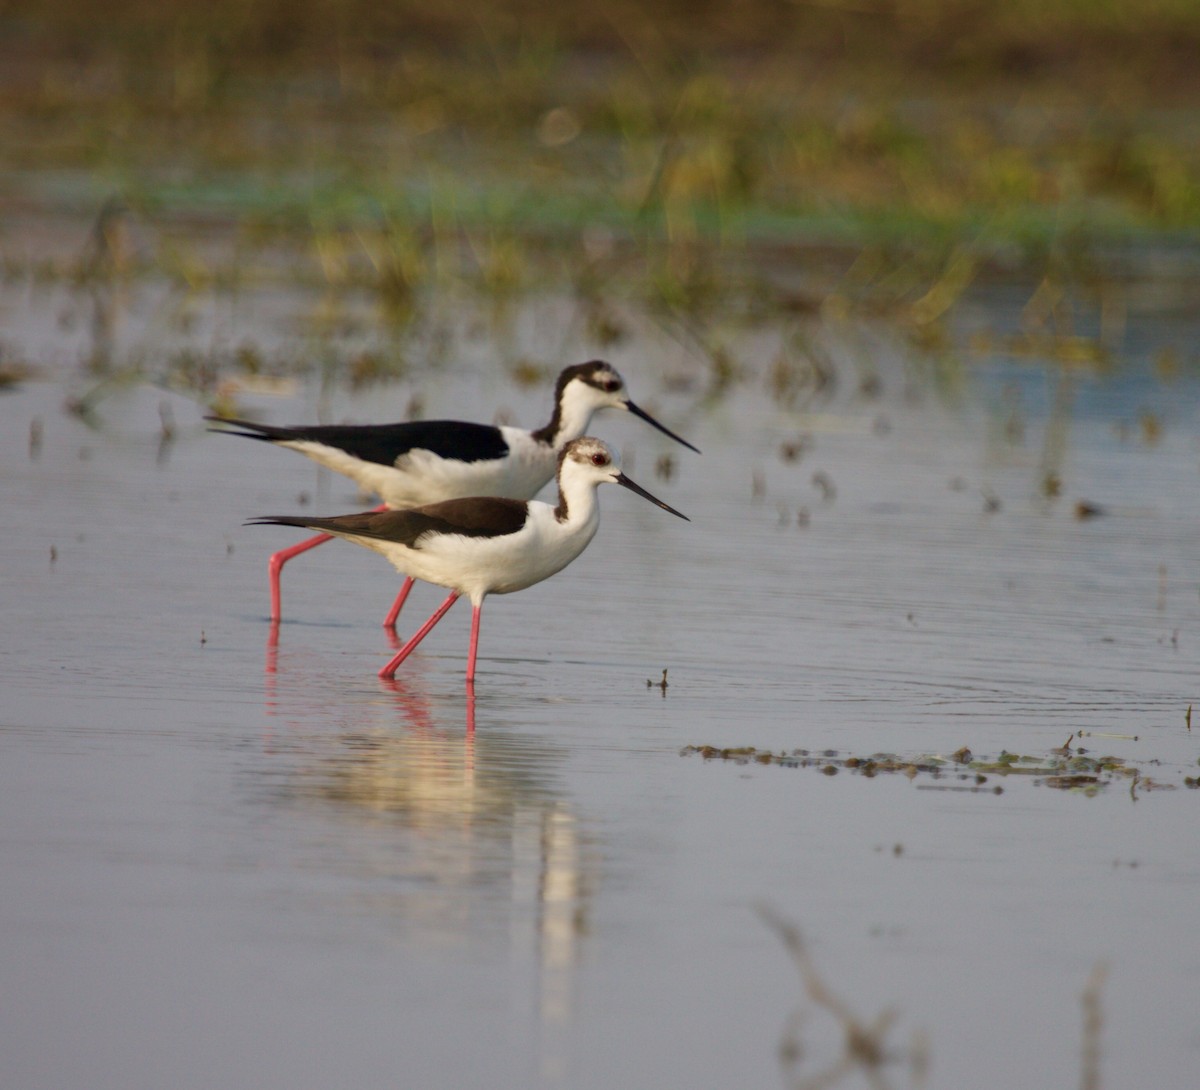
[
  {"x": 623, "y": 480},
  {"x": 643, "y": 415}
]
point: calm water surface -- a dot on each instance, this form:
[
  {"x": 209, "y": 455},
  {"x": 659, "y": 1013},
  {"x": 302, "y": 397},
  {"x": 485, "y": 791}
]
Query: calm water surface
[{"x": 226, "y": 865}]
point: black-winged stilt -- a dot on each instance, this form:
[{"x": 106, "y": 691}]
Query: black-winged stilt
[
  {"x": 427, "y": 461},
  {"x": 485, "y": 545}
]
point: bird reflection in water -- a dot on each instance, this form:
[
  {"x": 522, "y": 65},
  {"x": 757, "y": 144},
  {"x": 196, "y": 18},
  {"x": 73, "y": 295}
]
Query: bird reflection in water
[{"x": 450, "y": 836}]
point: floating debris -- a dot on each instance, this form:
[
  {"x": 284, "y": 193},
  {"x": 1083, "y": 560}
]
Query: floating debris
[
  {"x": 166, "y": 435},
  {"x": 1077, "y": 779},
  {"x": 658, "y": 684},
  {"x": 13, "y": 372},
  {"x": 824, "y": 483},
  {"x": 1063, "y": 768},
  {"x": 792, "y": 450}
]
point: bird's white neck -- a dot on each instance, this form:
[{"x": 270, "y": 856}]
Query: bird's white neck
[
  {"x": 577, "y": 502},
  {"x": 572, "y": 415}
]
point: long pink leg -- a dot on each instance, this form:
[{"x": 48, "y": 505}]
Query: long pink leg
[
  {"x": 389, "y": 671},
  {"x": 390, "y": 620},
  {"x": 277, "y": 561},
  {"x": 474, "y": 644}
]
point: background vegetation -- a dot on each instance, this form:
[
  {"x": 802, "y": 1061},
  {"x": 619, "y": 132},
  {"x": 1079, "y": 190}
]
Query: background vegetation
[{"x": 699, "y": 157}]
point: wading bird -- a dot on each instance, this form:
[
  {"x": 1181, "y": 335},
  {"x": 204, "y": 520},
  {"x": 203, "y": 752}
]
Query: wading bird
[
  {"x": 485, "y": 544},
  {"x": 427, "y": 461}
]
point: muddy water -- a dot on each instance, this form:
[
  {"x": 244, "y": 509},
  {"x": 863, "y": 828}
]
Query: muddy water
[{"x": 225, "y": 864}]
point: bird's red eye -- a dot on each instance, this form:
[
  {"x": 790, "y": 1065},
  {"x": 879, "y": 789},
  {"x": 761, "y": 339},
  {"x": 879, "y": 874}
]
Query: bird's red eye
[
  {"x": 599, "y": 459},
  {"x": 612, "y": 385}
]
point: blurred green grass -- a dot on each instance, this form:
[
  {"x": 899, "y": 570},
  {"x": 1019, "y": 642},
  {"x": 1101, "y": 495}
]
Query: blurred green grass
[
  {"x": 976, "y": 37},
  {"x": 678, "y": 149}
]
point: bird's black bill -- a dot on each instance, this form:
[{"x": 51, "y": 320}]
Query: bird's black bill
[
  {"x": 623, "y": 480},
  {"x": 643, "y": 415}
]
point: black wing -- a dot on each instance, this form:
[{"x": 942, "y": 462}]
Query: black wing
[
  {"x": 478, "y": 516},
  {"x": 384, "y": 443}
]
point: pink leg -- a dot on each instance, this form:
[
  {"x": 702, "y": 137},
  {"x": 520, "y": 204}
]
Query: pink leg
[
  {"x": 275, "y": 566},
  {"x": 390, "y": 620},
  {"x": 389, "y": 671},
  {"x": 474, "y": 644}
]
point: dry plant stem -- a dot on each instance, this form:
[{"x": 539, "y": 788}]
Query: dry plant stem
[
  {"x": 864, "y": 1043},
  {"x": 1093, "y": 1023}
]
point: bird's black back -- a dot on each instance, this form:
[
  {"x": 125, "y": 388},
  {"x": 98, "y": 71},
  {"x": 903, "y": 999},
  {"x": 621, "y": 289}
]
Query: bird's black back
[
  {"x": 383, "y": 444},
  {"x": 475, "y": 516}
]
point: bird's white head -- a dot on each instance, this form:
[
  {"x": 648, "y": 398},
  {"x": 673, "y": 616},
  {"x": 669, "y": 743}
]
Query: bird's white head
[
  {"x": 586, "y": 388},
  {"x": 589, "y": 459},
  {"x": 591, "y": 386},
  {"x": 586, "y": 463}
]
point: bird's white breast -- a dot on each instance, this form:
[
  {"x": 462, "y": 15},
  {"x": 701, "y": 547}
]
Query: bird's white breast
[{"x": 476, "y": 566}]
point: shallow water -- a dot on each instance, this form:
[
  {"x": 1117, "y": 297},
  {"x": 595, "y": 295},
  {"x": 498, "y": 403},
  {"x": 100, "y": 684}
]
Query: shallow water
[{"x": 227, "y": 864}]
